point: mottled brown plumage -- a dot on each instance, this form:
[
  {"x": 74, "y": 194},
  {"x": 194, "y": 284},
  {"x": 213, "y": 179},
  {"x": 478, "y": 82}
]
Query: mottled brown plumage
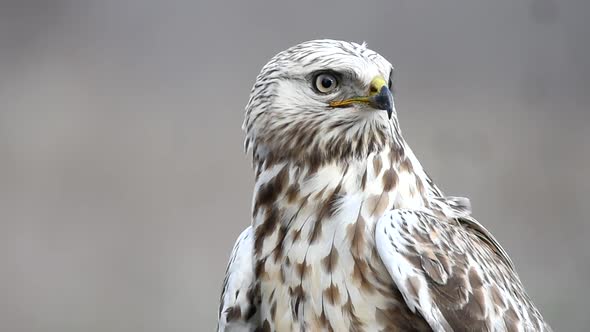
[{"x": 348, "y": 231}]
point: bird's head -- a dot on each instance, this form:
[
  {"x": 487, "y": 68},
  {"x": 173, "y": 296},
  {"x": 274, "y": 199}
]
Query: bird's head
[{"x": 321, "y": 100}]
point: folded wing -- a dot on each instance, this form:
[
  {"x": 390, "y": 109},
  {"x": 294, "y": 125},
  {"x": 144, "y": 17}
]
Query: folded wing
[
  {"x": 454, "y": 273},
  {"x": 238, "y": 309}
]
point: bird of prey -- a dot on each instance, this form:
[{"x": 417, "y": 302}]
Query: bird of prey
[{"x": 348, "y": 231}]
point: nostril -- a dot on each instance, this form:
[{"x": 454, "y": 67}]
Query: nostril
[{"x": 373, "y": 89}]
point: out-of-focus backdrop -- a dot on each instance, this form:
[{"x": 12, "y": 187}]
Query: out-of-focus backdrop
[{"x": 123, "y": 181}]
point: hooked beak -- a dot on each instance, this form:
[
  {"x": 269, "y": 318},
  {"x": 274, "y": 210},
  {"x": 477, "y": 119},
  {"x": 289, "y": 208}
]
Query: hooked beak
[{"x": 379, "y": 97}]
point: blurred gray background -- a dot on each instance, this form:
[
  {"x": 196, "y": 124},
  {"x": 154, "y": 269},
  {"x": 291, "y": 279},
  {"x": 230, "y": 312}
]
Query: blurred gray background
[{"x": 123, "y": 181}]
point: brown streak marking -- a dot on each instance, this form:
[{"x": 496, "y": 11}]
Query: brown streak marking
[
  {"x": 302, "y": 268},
  {"x": 359, "y": 275},
  {"x": 260, "y": 270},
  {"x": 269, "y": 192},
  {"x": 377, "y": 164},
  {"x": 332, "y": 204},
  {"x": 233, "y": 313},
  {"x": 273, "y": 311},
  {"x": 253, "y": 296},
  {"x": 278, "y": 251},
  {"x": 332, "y": 294},
  {"x": 394, "y": 154},
  {"x": 355, "y": 323},
  {"x": 282, "y": 274},
  {"x": 356, "y": 233},
  {"x": 389, "y": 179},
  {"x": 320, "y": 194},
  {"x": 323, "y": 319},
  {"x": 299, "y": 294},
  {"x": 326, "y": 210},
  {"x": 331, "y": 260},
  {"x": 315, "y": 232},
  {"x": 406, "y": 165},
  {"x": 266, "y": 326},
  {"x": 292, "y": 192},
  {"x": 266, "y": 228},
  {"x": 420, "y": 186}
]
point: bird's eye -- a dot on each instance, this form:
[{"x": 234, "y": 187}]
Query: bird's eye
[{"x": 326, "y": 83}]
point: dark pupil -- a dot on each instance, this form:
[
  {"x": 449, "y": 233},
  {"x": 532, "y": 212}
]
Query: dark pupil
[{"x": 327, "y": 82}]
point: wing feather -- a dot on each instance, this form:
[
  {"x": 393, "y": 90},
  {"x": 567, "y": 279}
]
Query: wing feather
[
  {"x": 238, "y": 308},
  {"x": 454, "y": 273}
]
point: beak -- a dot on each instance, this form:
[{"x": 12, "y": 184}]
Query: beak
[{"x": 379, "y": 97}]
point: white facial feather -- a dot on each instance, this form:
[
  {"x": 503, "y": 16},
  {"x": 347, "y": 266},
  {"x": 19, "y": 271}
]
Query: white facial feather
[{"x": 284, "y": 98}]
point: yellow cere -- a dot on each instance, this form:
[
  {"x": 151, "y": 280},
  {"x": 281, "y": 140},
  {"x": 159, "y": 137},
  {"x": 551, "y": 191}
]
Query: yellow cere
[{"x": 376, "y": 84}]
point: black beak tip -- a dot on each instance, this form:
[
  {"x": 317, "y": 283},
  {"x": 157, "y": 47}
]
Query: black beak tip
[{"x": 383, "y": 100}]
